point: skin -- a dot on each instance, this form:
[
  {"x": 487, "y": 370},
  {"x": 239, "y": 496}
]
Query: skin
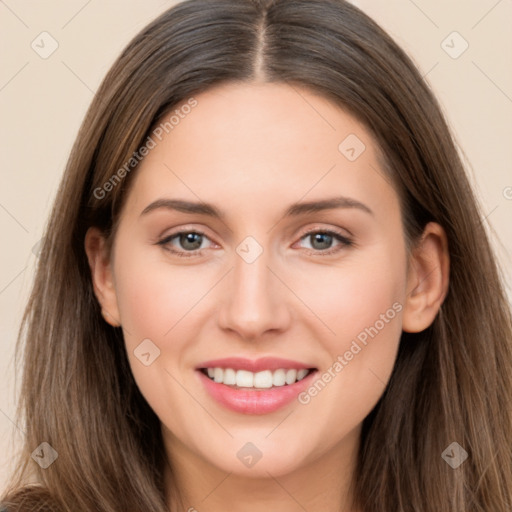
[{"x": 252, "y": 150}]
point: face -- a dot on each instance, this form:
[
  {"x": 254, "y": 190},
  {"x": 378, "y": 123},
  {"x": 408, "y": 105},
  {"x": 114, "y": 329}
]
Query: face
[{"x": 260, "y": 228}]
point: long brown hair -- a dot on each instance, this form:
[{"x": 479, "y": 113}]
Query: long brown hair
[{"x": 451, "y": 382}]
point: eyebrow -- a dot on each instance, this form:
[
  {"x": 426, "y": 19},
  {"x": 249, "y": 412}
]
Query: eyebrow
[{"x": 293, "y": 210}]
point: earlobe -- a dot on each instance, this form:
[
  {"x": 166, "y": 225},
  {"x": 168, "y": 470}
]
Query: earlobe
[
  {"x": 102, "y": 276},
  {"x": 427, "y": 280}
]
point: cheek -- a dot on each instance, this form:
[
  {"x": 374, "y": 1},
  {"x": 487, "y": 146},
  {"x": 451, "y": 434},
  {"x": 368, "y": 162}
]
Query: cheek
[
  {"x": 160, "y": 302},
  {"x": 366, "y": 320},
  {"x": 355, "y": 294},
  {"x": 362, "y": 305},
  {"x": 153, "y": 296},
  {"x": 156, "y": 301}
]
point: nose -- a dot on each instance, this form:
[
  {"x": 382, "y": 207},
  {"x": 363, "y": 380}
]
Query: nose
[{"x": 255, "y": 301}]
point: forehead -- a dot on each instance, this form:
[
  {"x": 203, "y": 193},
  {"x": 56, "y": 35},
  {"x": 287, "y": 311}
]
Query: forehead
[{"x": 259, "y": 144}]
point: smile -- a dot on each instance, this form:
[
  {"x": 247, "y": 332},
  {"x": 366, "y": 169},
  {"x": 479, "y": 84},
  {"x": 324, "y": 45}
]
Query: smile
[{"x": 254, "y": 387}]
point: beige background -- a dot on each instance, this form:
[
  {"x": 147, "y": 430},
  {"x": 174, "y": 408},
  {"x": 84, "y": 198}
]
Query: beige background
[{"x": 42, "y": 102}]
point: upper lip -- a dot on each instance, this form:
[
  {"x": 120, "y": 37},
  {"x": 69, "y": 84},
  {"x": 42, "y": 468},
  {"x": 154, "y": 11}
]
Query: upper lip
[{"x": 254, "y": 365}]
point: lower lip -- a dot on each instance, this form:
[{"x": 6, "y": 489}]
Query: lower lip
[{"x": 252, "y": 401}]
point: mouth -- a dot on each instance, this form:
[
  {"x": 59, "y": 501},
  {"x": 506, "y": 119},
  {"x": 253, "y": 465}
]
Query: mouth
[{"x": 255, "y": 387}]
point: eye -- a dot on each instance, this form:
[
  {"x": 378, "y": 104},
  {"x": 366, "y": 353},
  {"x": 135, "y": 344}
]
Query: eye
[
  {"x": 191, "y": 243},
  {"x": 325, "y": 241},
  {"x": 184, "y": 242}
]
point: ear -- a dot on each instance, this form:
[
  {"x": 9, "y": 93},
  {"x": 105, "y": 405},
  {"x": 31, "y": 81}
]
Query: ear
[
  {"x": 427, "y": 279},
  {"x": 102, "y": 275}
]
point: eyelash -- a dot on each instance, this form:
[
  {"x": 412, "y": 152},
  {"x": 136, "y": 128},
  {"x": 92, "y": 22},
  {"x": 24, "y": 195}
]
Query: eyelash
[
  {"x": 182, "y": 254},
  {"x": 342, "y": 239}
]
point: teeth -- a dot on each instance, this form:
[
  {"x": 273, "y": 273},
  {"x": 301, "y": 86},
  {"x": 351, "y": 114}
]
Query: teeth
[
  {"x": 244, "y": 379},
  {"x": 291, "y": 376},
  {"x": 260, "y": 380},
  {"x": 229, "y": 376},
  {"x": 279, "y": 378},
  {"x": 263, "y": 379},
  {"x": 301, "y": 374},
  {"x": 218, "y": 375}
]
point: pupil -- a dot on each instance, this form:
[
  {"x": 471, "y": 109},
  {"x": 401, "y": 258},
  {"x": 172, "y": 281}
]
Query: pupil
[
  {"x": 191, "y": 241},
  {"x": 321, "y": 241}
]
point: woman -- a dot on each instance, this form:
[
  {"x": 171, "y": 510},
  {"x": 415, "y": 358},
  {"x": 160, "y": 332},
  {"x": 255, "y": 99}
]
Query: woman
[{"x": 265, "y": 283}]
